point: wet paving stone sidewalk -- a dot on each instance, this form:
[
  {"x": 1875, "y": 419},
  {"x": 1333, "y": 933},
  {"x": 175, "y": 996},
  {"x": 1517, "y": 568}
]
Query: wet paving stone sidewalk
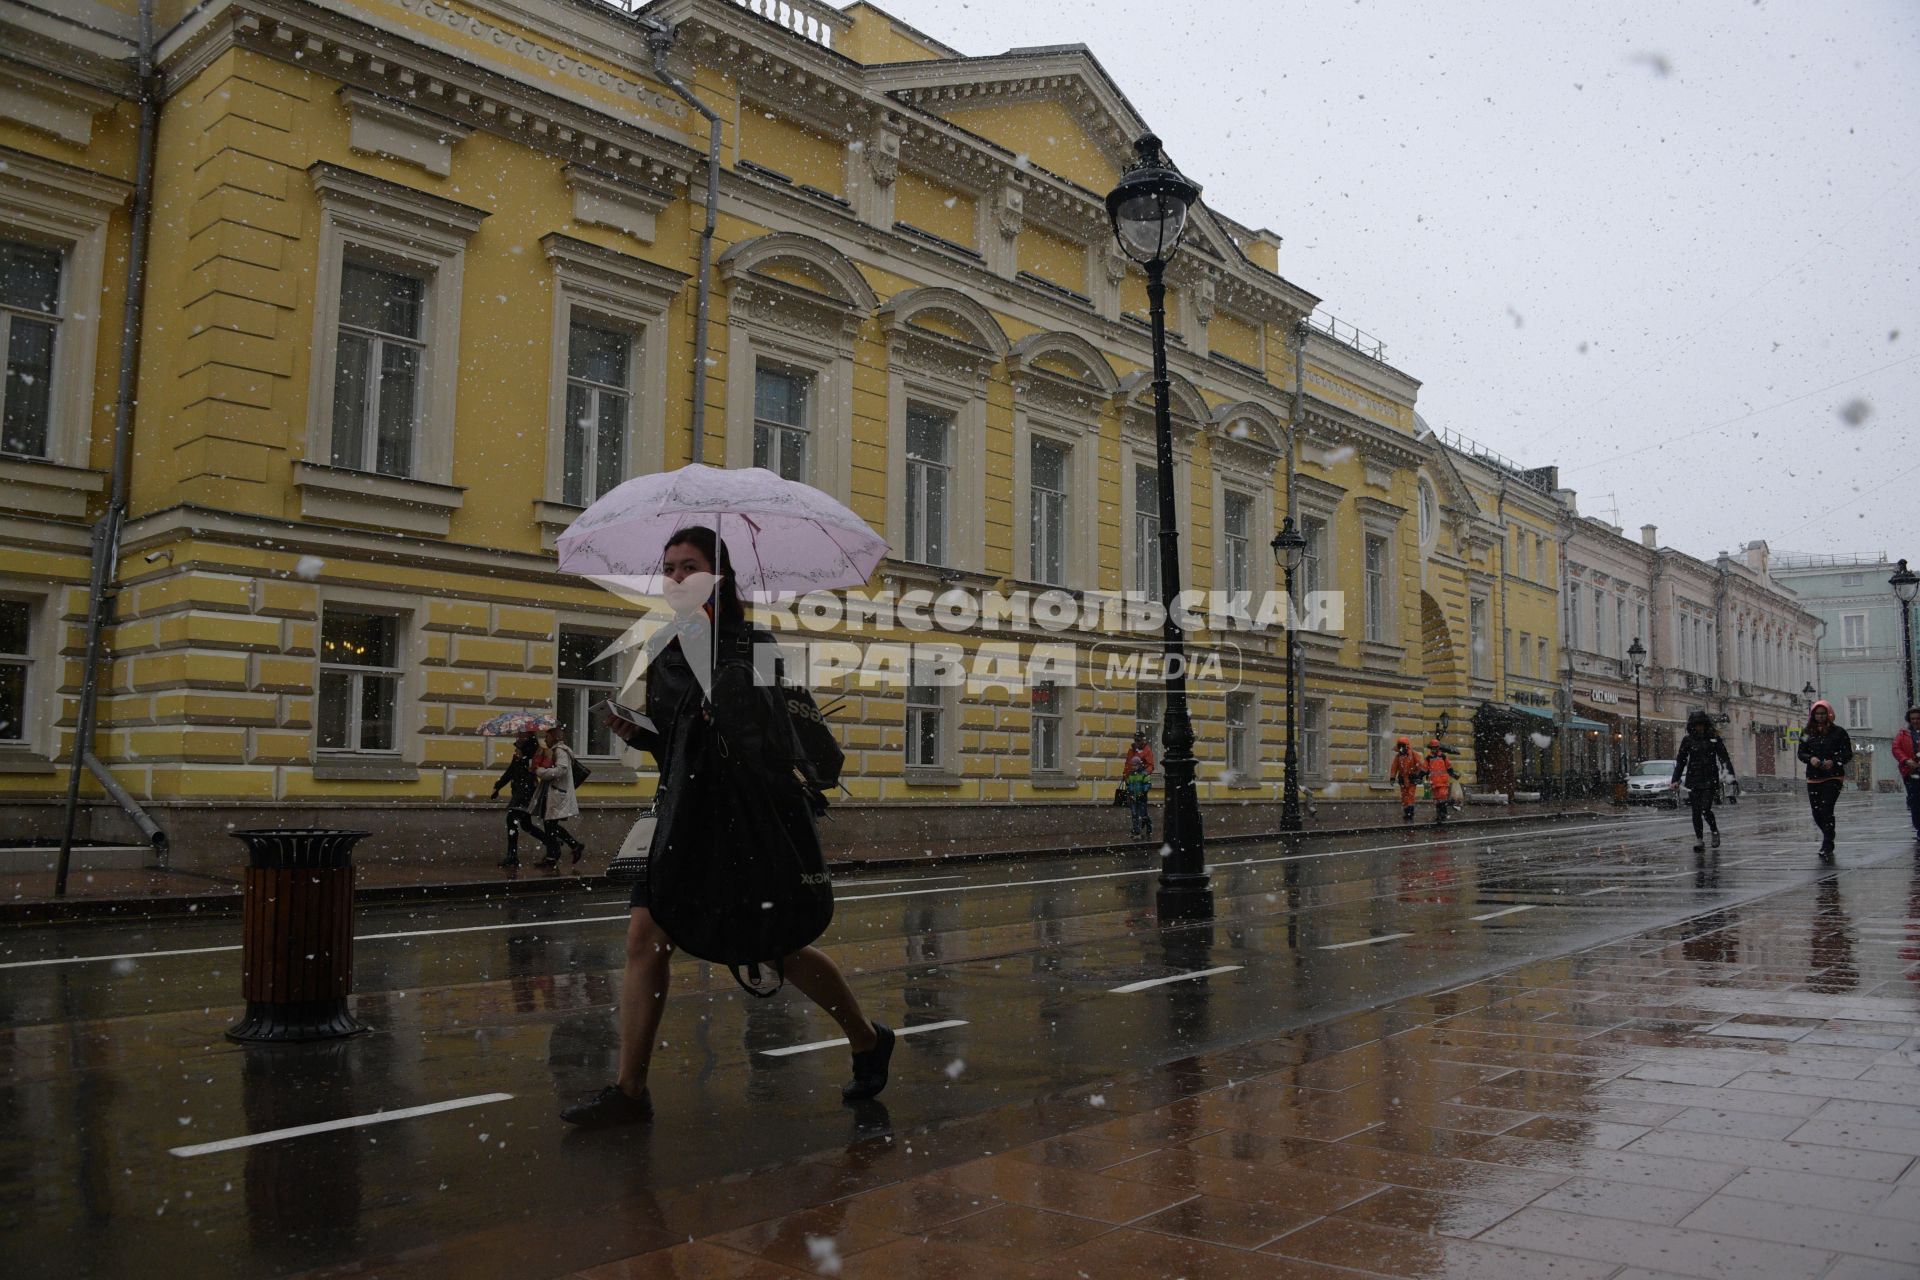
[{"x": 1733, "y": 1096}]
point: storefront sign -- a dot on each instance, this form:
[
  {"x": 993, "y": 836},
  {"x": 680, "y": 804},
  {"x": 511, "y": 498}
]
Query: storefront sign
[{"x": 1601, "y": 695}]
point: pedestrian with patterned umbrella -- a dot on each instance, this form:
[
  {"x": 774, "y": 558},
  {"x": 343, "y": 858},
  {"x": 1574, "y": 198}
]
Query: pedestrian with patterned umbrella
[{"x": 519, "y": 780}]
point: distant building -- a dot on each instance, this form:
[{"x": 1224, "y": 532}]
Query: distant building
[{"x": 1861, "y": 669}]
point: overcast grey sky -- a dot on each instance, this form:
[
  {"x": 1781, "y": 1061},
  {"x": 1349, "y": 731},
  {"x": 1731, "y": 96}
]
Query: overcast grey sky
[{"x": 1668, "y": 247}]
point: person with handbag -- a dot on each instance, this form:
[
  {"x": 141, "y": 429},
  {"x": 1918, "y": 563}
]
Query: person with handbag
[
  {"x": 522, "y": 786},
  {"x": 1702, "y": 756},
  {"x": 741, "y": 735},
  {"x": 561, "y": 801}
]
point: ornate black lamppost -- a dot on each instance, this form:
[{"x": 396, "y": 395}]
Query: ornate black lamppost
[
  {"x": 1288, "y": 548},
  {"x": 1906, "y": 585},
  {"x": 1149, "y": 212},
  {"x": 1635, "y": 653}
]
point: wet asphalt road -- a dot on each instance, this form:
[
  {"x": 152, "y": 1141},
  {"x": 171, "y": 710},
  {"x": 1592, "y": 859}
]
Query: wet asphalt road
[{"x": 111, "y": 1055}]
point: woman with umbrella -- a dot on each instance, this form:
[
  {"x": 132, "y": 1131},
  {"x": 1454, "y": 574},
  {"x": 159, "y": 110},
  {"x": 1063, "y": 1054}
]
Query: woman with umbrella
[
  {"x": 682, "y": 714},
  {"x": 521, "y": 784}
]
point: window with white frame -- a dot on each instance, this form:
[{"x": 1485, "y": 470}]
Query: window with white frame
[
  {"x": 378, "y": 354},
  {"x": 1540, "y": 566},
  {"x": 1852, "y": 579},
  {"x": 1620, "y": 625},
  {"x": 16, "y": 669},
  {"x": 1853, "y": 631},
  {"x": 1240, "y": 735},
  {"x": 1713, "y": 654},
  {"x": 1047, "y": 509},
  {"x": 31, "y": 307},
  {"x": 1640, "y": 621},
  {"x": 1146, "y": 530},
  {"x": 1312, "y": 574},
  {"x": 1859, "y": 713},
  {"x": 359, "y": 697},
  {"x": 1312, "y": 728},
  {"x": 1379, "y": 748},
  {"x": 599, "y": 400},
  {"x": 1600, "y": 623},
  {"x": 1520, "y": 552},
  {"x": 1429, "y": 519},
  {"x": 926, "y": 726},
  {"x": 1540, "y": 658},
  {"x": 1048, "y": 727},
  {"x": 781, "y": 434},
  {"x": 1573, "y": 618},
  {"x": 1237, "y": 535},
  {"x": 929, "y": 483},
  {"x": 1477, "y": 637},
  {"x": 585, "y": 678},
  {"x": 1506, "y": 648},
  {"x": 1149, "y": 716},
  {"x": 1374, "y": 562}
]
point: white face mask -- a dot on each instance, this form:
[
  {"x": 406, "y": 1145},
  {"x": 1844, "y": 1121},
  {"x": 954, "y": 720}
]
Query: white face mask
[{"x": 687, "y": 595}]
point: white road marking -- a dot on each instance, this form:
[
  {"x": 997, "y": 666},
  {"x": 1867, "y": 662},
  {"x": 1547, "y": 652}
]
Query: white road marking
[
  {"x": 1178, "y": 977},
  {"x": 913, "y": 1030},
  {"x": 1364, "y": 942},
  {"x": 351, "y": 1122},
  {"x": 1605, "y": 888},
  {"x": 1495, "y": 915},
  {"x": 868, "y": 884},
  {"x": 848, "y": 897}
]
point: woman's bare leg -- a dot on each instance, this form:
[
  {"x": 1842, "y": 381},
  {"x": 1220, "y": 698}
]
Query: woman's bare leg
[
  {"x": 643, "y": 997},
  {"x": 822, "y": 982}
]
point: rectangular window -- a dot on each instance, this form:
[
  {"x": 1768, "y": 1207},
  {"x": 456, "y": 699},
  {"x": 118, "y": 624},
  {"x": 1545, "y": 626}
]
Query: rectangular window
[
  {"x": 1520, "y": 551},
  {"x": 1540, "y": 658},
  {"x": 1620, "y": 625},
  {"x": 1313, "y": 737},
  {"x": 1149, "y": 716},
  {"x": 1047, "y": 510},
  {"x": 377, "y": 370},
  {"x": 1146, "y": 531},
  {"x": 1379, "y": 749},
  {"x": 1046, "y": 731},
  {"x": 1852, "y": 579},
  {"x": 30, "y": 278},
  {"x": 1240, "y": 735},
  {"x": 359, "y": 681},
  {"x": 1640, "y": 620},
  {"x": 1573, "y": 618},
  {"x": 1713, "y": 654},
  {"x": 598, "y": 396},
  {"x": 926, "y": 709},
  {"x": 780, "y": 421},
  {"x": 16, "y": 665},
  {"x": 1857, "y": 714},
  {"x": 1853, "y": 630},
  {"x": 1520, "y": 663},
  {"x": 1506, "y": 648},
  {"x": 1311, "y": 576},
  {"x": 1477, "y": 637},
  {"x": 1375, "y": 562},
  {"x": 1236, "y": 521},
  {"x": 1540, "y": 567},
  {"x": 583, "y": 682},
  {"x": 1600, "y": 621},
  {"x": 929, "y": 483}
]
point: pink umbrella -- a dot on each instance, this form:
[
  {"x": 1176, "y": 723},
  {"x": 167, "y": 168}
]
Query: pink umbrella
[{"x": 781, "y": 535}]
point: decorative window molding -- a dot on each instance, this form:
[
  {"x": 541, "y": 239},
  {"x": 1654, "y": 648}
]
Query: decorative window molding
[
  {"x": 386, "y": 127},
  {"x": 1137, "y": 448},
  {"x": 601, "y": 199},
  {"x": 941, "y": 349},
  {"x": 65, "y": 208},
  {"x": 399, "y": 762},
  {"x": 394, "y": 228},
  {"x": 377, "y": 501},
  {"x": 61, "y": 108},
  {"x": 614, "y": 291},
  {"x": 809, "y": 328},
  {"x": 1061, "y": 384}
]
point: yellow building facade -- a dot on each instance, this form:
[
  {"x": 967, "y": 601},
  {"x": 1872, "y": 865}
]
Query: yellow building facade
[{"x": 425, "y": 281}]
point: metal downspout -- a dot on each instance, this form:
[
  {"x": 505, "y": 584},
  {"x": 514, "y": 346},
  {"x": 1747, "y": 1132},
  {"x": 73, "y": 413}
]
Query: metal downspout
[
  {"x": 106, "y": 533},
  {"x": 660, "y": 42}
]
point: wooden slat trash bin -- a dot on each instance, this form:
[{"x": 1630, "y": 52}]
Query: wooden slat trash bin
[{"x": 297, "y": 935}]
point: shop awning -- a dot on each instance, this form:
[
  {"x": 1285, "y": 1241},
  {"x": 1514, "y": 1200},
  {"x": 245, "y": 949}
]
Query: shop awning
[{"x": 1539, "y": 717}]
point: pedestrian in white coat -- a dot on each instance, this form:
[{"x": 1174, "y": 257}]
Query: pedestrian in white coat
[{"x": 560, "y": 802}]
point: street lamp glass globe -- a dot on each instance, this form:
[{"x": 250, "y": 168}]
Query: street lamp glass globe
[
  {"x": 1636, "y": 650},
  {"x": 1905, "y": 583},
  {"x": 1149, "y": 207},
  {"x": 1288, "y": 546}
]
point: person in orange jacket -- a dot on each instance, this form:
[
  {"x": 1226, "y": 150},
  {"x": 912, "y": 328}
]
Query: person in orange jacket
[
  {"x": 1407, "y": 770},
  {"x": 1440, "y": 778}
]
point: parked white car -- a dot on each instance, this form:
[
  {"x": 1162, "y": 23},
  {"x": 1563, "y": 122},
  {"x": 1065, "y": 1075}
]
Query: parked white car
[{"x": 1651, "y": 782}]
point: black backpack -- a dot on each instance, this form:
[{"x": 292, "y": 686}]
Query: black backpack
[{"x": 820, "y": 751}]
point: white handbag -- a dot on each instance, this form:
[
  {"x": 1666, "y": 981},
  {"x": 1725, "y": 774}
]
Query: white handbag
[{"x": 630, "y": 863}]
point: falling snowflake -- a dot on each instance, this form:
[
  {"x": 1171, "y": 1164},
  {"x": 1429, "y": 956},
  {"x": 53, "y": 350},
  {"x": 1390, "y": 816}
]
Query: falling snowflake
[
  {"x": 825, "y": 1252},
  {"x": 955, "y": 1067},
  {"x": 309, "y": 567}
]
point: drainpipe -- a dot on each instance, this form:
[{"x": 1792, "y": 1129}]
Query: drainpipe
[
  {"x": 106, "y": 533},
  {"x": 660, "y": 42}
]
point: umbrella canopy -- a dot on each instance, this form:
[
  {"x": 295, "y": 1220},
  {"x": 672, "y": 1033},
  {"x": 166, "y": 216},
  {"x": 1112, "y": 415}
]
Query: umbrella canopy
[
  {"x": 780, "y": 534},
  {"x": 509, "y": 724}
]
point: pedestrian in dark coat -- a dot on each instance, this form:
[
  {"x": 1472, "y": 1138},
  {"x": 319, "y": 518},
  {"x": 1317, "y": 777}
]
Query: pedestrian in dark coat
[
  {"x": 674, "y": 702},
  {"x": 521, "y": 784},
  {"x": 1701, "y": 757},
  {"x": 1825, "y": 749},
  {"x": 1906, "y": 754}
]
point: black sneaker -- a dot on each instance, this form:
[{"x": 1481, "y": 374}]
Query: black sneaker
[
  {"x": 1716, "y": 839},
  {"x": 609, "y": 1108},
  {"x": 870, "y": 1069},
  {"x": 1699, "y": 846}
]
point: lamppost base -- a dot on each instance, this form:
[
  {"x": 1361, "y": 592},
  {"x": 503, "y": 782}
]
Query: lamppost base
[{"x": 1187, "y": 898}]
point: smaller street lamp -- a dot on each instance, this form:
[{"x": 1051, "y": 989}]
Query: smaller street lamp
[
  {"x": 1807, "y": 693},
  {"x": 1906, "y": 585},
  {"x": 1636, "y": 653},
  {"x": 1288, "y": 548}
]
